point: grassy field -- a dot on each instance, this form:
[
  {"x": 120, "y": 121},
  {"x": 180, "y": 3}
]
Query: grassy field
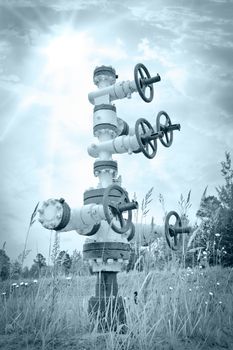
[{"x": 176, "y": 309}]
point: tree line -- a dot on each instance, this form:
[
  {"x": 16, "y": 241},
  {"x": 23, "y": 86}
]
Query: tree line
[{"x": 65, "y": 264}]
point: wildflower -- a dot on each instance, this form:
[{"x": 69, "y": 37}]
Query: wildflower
[
  {"x": 218, "y": 284},
  {"x": 68, "y": 278},
  {"x": 217, "y": 234},
  {"x": 204, "y": 252},
  {"x": 202, "y": 273},
  {"x": 211, "y": 294},
  {"x": 187, "y": 274},
  {"x": 35, "y": 281},
  {"x": 26, "y": 284},
  {"x": 190, "y": 289},
  {"x": 14, "y": 284},
  {"x": 17, "y": 286},
  {"x": 171, "y": 288},
  {"x": 4, "y": 293},
  {"x": 206, "y": 302},
  {"x": 220, "y": 302},
  {"x": 200, "y": 266},
  {"x": 21, "y": 283}
]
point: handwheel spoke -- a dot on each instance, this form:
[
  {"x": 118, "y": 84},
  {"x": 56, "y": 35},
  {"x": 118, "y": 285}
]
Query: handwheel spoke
[
  {"x": 141, "y": 73},
  {"x": 166, "y": 137},
  {"x": 161, "y": 127},
  {"x": 143, "y": 127},
  {"x": 152, "y": 145}
]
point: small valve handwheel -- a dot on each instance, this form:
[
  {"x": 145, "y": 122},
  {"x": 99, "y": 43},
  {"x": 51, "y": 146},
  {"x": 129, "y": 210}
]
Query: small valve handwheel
[
  {"x": 144, "y": 129},
  {"x": 141, "y": 73},
  {"x": 170, "y": 230},
  {"x": 112, "y": 208},
  {"x": 167, "y": 138}
]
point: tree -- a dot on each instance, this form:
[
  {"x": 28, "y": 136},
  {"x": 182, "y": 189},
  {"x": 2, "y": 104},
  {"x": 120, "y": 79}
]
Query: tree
[
  {"x": 25, "y": 272},
  {"x": 215, "y": 232},
  {"x": 79, "y": 267},
  {"x": 4, "y": 265},
  {"x": 208, "y": 214},
  {"x": 40, "y": 262},
  {"x": 34, "y": 271},
  {"x": 16, "y": 269},
  {"x": 225, "y": 225},
  {"x": 64, "y": 262}
]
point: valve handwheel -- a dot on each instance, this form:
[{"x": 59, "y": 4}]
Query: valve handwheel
[
  {"x": 144, "y": 129},
  {"x": 141, "y": 73},
  {"x": 167, "y": 138},
  {"x": 170, "y": 230},
  {"x": 112, "y": 208}
]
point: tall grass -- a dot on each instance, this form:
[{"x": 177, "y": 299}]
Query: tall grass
[{"x": 175, "y": 309}]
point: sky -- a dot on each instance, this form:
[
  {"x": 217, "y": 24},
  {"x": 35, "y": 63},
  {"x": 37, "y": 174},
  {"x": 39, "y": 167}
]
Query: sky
[{"x": 48, "y": 52}]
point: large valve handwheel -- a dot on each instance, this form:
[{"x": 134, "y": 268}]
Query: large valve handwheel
[
  {"x": 141, "y": 74},
  {"x": 167, "y": 138},
  {"x": 113, "y": 211},
  {"x": 143, "y": 130},
  {"x": 171, "y": 230}
]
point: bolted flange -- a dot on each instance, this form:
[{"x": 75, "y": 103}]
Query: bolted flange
[
  {"x": 106, "y": 251},
  {"x": 106, "y": 73},
  {"x": 54, "y": 214},
  {"x": 108, "y": 165}
]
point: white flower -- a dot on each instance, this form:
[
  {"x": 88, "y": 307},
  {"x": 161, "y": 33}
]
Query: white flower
[
  {"x": 206, "y": 302},
  {"x": 217, "y": 234},
  {"x": 26, "y": 284},
  {"x": 211, "y": 294},
  {"x": 204, "y": 252},
  {"x": 170, "y": 288},
  {"x": 190, "y": 289},
  {"x": 35, "y": 281},
  {"x": 218, "y": 284},
  {"x": 14, "y": 284},
  {"x": 21, "y": 283},
  {"x": 220, "y": 302},
  {"x": 68, "y": 278},
  {"x": 4, "y": 293}
]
